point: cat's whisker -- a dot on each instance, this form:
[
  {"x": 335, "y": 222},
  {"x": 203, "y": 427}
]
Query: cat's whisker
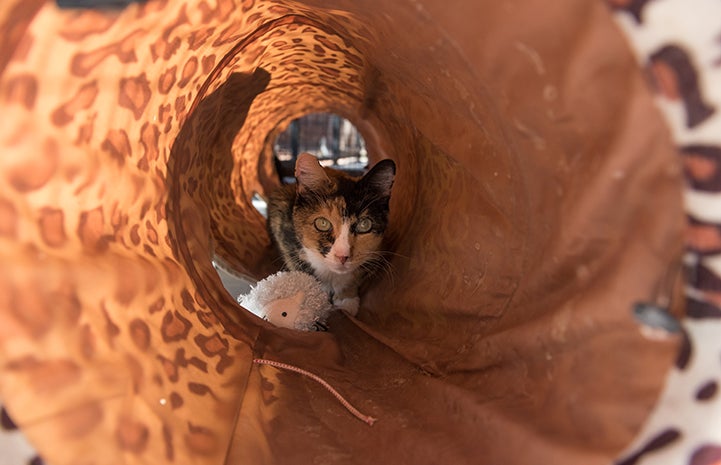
[
  {"x": 379, "y": 256},
  {"x": 375, "y": 262},
  {"x": 384, "y": 274},
  {"x": 376, "y": 265},
  {"x": 395, "y": 254}
]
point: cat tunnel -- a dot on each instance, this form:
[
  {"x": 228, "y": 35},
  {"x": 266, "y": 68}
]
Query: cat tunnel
[{"x": 536, "y": 217}]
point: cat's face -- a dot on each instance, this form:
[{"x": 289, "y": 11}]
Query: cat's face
[{"x": 339, "y": 220}]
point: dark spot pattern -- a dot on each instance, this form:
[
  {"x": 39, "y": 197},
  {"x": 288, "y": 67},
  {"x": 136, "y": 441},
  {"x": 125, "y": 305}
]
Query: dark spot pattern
[
  {"x": 685, "y": 351},
  {"x": 707, "y": 454},
  {"x": 5, "y": 421},
  {"x": 660, "y": 441},
  {"x": 707, "y": 391},
  {"x": 131, "y": 435},
  {"x": 676, "y": 77}
]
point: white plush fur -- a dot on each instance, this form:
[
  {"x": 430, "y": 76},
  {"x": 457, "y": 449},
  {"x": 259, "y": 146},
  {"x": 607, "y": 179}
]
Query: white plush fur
[{"x": 290, "y": 299}]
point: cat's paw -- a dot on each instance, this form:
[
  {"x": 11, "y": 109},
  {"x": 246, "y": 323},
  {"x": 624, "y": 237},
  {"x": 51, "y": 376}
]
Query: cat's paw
[{"x": 348, "y": 304}]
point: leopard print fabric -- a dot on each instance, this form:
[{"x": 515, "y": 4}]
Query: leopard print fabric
[{"x": 678, "y": 43}]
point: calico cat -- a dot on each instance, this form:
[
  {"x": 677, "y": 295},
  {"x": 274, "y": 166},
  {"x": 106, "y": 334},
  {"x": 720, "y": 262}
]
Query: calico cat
[{"x": 331, "y": 225}]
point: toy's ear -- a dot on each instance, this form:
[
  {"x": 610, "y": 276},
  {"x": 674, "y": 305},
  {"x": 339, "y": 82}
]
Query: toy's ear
[
  {"x": 284, "y": 312},
  {"x": 310, "y": 175}
]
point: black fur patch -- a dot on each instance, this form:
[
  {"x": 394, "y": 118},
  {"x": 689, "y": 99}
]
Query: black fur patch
[
  {"x": 362, "y": 201},
  {"x": 324, "y": 246}
]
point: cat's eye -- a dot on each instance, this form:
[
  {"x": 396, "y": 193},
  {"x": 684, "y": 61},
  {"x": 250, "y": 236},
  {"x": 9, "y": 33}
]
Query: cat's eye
[
  {"x": 363, "y": 226},
  {"x": 322, "y": 224}
]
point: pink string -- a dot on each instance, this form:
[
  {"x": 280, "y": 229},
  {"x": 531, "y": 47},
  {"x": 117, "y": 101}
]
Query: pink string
[{"x": 364, "y": 418}]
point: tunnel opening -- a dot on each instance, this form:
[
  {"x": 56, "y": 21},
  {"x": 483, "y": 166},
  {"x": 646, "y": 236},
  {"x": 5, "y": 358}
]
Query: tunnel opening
[{"x": 331, "y": 138}]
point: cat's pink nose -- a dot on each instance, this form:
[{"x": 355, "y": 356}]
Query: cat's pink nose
[{"x": 342, "y": 258}]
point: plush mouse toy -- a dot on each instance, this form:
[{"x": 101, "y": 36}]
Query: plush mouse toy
[{"x": 289, "y": 299}]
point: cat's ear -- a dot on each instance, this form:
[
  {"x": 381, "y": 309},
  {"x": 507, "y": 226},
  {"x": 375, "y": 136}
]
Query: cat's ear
[
  {"x": 310, "y": 175},
  {"x": 380, "y": 177}
]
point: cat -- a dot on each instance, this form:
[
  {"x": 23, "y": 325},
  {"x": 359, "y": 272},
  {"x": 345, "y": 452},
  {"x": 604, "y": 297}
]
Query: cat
[{"x": 331, "y": 225}]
